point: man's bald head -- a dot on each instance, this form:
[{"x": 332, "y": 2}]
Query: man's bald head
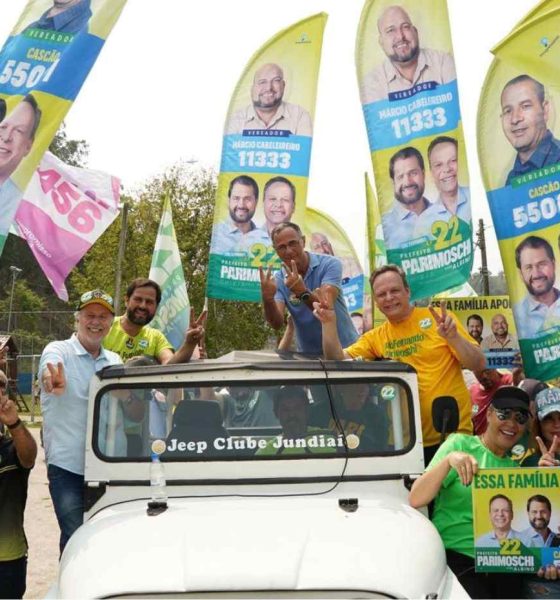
[{"x": 397, "y": 35}]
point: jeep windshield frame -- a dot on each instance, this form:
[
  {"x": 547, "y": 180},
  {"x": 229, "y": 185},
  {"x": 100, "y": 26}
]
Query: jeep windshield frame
[{"x": 334, "y": 409}]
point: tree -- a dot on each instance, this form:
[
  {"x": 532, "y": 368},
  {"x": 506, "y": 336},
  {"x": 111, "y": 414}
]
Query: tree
[
  {"x": 72, "y": 152},
  {"x": 231, "y": 325}
]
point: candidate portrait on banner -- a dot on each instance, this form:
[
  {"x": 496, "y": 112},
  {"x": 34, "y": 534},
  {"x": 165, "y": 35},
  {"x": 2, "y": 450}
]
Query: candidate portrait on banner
[{"x": 408, "y": 62}]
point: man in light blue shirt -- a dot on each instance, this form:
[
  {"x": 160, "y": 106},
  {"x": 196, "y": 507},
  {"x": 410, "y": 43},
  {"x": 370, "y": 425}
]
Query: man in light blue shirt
[
  {"x": 538, "y": 314},
  {"x": 237, "y": 234},
  {"x": 404, "y": 224},
  {"x": 295, "y": 290},
  {"x": 501, "y": 517},
  {"x": 65, "y": 370},
  {"x": 539, "y": 534}
]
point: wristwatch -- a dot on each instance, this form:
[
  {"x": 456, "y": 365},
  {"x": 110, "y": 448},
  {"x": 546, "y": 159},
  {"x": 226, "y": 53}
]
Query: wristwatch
[{"x": 304, "y": 296}]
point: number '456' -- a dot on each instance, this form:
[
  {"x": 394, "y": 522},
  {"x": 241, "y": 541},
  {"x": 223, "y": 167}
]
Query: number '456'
[{"x": 81, "y": 216}]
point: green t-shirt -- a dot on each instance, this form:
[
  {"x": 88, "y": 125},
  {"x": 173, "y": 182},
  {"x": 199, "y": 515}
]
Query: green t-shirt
[
  {"x": 453, "y": 512},
  {"x": 13, "y": 496},
  {"x": 148, "y": 342}
]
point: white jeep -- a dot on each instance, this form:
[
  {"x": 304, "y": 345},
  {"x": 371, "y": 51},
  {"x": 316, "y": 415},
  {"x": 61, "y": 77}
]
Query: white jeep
[{"x": 284, "y": 479}]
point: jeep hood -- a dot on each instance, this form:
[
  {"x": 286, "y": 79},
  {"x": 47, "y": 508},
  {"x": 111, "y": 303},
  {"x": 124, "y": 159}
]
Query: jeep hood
[{"x": 243, "y": 544}]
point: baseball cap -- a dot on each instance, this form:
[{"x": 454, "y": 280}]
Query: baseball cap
[
  {"x": 532, "y": 387},
  {"x": 548, "y": 401},
  {"x": 509, "y": 396},
  {"x": 96, "y": 297}
]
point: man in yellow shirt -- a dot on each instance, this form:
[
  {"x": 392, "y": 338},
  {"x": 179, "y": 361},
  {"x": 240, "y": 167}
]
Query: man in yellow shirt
[
  {"x": 435, "y": 344},
  {"x": 131, "y": 336}
]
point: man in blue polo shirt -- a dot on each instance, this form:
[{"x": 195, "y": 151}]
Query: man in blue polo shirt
[
  {"x": 65, "y": 370},
  {"x": 293, "y": 288}
]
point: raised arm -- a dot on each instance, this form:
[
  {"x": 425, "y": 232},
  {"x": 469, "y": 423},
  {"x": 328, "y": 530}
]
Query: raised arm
[
  {"x": 273, "y": 309},
  {"x": 332, "y": 348},
  {"x": 470, "y": 355},
  {"x": 193, "y": 337},
  {"x": 26, "y": 448}
]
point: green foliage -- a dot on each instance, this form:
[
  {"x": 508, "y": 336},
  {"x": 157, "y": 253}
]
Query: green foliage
[
  {"x": 72, "y": 152},
  {"x": 231, "y": 325}
]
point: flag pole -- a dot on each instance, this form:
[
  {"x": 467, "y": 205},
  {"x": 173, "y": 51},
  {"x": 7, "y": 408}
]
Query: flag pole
[{"x": 120, "y": 258}]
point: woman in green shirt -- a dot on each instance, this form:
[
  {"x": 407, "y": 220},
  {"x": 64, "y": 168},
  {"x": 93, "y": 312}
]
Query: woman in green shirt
[{"x": 448, "y": 477}]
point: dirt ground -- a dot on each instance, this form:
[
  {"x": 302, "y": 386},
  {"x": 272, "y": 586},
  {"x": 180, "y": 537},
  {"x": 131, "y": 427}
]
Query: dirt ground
[{"x": 41, "y": 529}]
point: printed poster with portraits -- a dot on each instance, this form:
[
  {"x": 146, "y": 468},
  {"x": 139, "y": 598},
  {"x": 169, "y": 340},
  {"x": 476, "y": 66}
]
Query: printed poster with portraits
[
  {"x": 489, "y": 321},
  {"x": 43, "y": 65},
  {"x": 324, "y": 236},
  {"x": 516, "y": 519},
  {"x": 519, "y": 153},
  {"x": 265, "y": 159},
  {"x": 409, "y": 94}
]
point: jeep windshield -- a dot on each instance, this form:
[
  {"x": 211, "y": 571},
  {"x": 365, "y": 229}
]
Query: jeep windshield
[{"x": 252, "y": 420}]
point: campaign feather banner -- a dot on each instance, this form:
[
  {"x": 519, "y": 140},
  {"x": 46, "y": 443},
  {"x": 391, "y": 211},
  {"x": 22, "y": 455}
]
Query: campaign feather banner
[
  {"x": 410, "y": 100},
  {"x": 519, "y": 153},
  {"x": 265, "y": 158}
]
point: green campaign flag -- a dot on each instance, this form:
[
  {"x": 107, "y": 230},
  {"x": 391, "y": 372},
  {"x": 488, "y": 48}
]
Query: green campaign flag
[
  {"x": 173, "y": 313},
  {"x": 265, "y": 158},
  {"x": 410, "y": 100},
  {"x": 519, "y": 154}
]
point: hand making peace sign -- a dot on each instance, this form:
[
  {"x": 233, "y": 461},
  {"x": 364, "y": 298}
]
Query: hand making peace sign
[
  {"x": 53, "y": 379},
  {"x": 548, "y": 455},
  {"x": 446, "y": 326},
  {"x": 293, "y": 280},
  {"x": 268, "y": 285}
]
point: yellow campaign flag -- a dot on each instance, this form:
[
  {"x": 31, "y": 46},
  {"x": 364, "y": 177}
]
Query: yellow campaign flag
[
  {"x": 265, "y": 158},
  {"x": 519, "y": 155},
  {"x": 324, "y": 236}
]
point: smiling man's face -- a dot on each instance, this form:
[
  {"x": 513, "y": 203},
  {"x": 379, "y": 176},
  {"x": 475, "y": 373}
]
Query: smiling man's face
[
  {"x": 524, "y": 116},
  {"x": 15, "y": 138},
  {"x": 142, "y": 305}
]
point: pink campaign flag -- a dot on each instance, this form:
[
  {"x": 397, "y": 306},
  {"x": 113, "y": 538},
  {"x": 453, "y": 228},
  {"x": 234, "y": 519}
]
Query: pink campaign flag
[{"x": 63, "y": 211}]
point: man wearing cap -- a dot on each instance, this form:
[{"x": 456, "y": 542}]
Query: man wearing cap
[
  {"x": 65, "y": 370},
  {"x": 17, "y": 456}
]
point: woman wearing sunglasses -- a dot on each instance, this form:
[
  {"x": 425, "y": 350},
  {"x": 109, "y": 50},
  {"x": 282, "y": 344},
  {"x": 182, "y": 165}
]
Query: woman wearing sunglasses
[{"x": 448, "y": 477}]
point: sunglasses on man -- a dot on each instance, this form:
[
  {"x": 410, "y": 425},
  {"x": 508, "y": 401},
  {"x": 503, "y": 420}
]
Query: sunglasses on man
[{"x": 506, "y": 414}]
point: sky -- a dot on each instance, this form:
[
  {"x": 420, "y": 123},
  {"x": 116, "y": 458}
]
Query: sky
[{"x": 160, "y": 90}]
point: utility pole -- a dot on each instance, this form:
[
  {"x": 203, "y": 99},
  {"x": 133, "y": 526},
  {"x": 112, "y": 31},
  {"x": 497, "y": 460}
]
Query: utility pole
[
  {"x": 120, "y": 258},
  {"x": 481, "y": 241},
  {"x": 15, "y": 272}
]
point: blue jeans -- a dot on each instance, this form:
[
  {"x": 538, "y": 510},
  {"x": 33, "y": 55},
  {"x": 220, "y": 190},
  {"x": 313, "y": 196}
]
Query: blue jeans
[
  {"x": 12, "y": 577},
  {"x": 67, "y": 493}
]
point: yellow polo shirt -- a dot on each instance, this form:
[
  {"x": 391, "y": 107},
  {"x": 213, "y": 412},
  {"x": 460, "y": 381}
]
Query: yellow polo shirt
[{"x": 416, "y": 342}]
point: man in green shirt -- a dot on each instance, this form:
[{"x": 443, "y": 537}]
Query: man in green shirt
[
  {"x": 130, "y": 334},
  {"x": 17, "y": 457}
]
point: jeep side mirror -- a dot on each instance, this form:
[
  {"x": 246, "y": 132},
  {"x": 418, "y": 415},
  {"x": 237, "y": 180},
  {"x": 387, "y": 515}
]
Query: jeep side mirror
[{"x": 445, "y": 415}]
